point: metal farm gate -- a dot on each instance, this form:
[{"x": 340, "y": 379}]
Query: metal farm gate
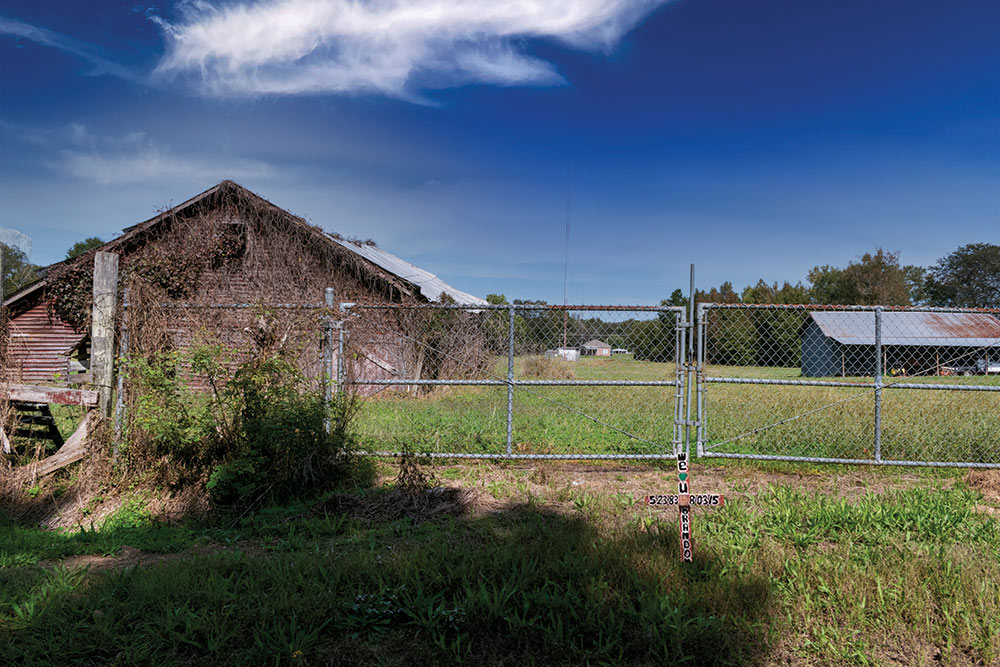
[
  {"x": 518, "y": 381},
  {"x": 849, "y": 384},
  {"x": 816, "y": 383}
]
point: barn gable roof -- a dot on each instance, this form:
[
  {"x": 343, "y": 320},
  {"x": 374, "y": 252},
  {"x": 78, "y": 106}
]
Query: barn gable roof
[
  {"x": 379, "y": 261},
  {"x": 910, "y": 328}
]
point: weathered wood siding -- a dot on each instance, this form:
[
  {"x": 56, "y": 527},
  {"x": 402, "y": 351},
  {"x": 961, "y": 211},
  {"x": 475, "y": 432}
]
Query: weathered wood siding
[{"x": 39, "y": 347}]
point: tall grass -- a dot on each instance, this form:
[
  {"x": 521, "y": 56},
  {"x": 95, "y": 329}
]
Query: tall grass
[
  {"x": 785, "y": 576},
  {"x": 916, "y": 424}
]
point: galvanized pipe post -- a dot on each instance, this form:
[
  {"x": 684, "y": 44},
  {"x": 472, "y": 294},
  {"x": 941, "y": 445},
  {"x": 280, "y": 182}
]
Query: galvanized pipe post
[
  {"x": 688, "y": 360},
  {"x": 878, "y": 384},
  {"x": 699, "y": 380},
  {"x": 339, "y": 324},
  {"x": 679, "y": 324},
  {"x": 123, "y": 343},
  {"x": 327, "y": 358},
  {"x": 510, "y": 382}
]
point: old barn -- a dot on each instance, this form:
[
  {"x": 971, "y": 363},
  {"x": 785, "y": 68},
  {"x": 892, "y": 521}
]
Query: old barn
[
  {"x": 842, "y": 343},
  {"x": 226, "y": 245}
]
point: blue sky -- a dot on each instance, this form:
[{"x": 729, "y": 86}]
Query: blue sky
[{"x": 755, "y": 138}]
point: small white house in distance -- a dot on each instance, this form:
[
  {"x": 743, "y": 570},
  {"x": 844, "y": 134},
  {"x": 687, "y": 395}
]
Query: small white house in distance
[
  {"x": 568, "y": 353},
  {"x": 596, "y": 348}
]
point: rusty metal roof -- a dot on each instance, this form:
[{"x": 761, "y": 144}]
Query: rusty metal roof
[{"x": 910, "y": 328}]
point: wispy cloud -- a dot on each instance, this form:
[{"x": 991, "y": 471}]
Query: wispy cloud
[
  {"x": 390, "y": 47},
  {"x": 87, "y": 52},
  {"x": 135, "y": 158}
]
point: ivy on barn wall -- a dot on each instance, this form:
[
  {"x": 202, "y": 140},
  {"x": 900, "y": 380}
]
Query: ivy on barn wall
[{"x": 233, "y": 237}]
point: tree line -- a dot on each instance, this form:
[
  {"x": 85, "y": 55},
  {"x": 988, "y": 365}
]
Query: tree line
[{"x": 968, "y": 277}]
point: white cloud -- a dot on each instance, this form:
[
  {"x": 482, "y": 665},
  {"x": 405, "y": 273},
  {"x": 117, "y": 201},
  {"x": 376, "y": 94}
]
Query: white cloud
[
  {"x": 135, "y": 158},
  {"x": 391, "y": 47},
  {"x": 99, "y": 64}
]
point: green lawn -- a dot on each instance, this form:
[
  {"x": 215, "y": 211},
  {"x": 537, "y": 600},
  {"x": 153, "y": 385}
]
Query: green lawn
[{"x": 536, "y": 569}]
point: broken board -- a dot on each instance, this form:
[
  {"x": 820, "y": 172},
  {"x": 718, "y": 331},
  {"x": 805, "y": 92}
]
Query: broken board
[{"x": 72, "y": 451}]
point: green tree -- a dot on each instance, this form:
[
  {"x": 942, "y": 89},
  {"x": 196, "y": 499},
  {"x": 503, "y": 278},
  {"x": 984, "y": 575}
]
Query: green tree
[
  {"x": 17, "y": 270},
  {"x": 969, "y": 277},
  {"x": 83, "y": 246},
  {"x": 827, "y": 285},
  {"x": 876, "y": 279}
]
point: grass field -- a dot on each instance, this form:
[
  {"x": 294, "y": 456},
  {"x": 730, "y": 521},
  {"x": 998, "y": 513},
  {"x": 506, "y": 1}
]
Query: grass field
[
  {"x": 541, "y": 564},
  {"x": 916, "y": 424}
]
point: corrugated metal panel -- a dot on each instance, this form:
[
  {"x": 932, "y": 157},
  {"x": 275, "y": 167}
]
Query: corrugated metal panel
[
  {"x": 910, "y": 328},
  {"x": 430, "y": 285},
  {"x": 39, "y": 346}
]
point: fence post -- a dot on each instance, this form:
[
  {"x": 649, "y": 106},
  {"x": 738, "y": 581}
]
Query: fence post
[
  {"x": 340, "y": 349},
  {"x": 688, "y": 365},
  {"x": 327, "y": 359},
  {"x": 878, "y": 384},
  {"x": 699, "y": 379},
  {"x": 679, "y": 325},
  {"x": 120, "y": 390},
  {"x": 102, "y": 329},
  {"x": 510, "y": 382}
]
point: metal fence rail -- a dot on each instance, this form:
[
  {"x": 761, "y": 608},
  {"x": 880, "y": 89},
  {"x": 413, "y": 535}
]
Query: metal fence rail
[
  {"x": 825, "y": 384},
  {"x": 518, "y": 381}
]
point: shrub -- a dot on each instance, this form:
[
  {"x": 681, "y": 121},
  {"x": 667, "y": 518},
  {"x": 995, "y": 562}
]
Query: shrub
[
  {"x": 258, "y": 434},
  {"x": 548, "y": 369}
]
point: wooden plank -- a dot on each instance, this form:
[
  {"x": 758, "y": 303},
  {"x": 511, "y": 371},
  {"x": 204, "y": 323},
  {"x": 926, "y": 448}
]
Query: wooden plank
[
  {"x": 71, "y": 452},
  {"x": 102, "y": 328},
  {"x": 28, "y": 393}
]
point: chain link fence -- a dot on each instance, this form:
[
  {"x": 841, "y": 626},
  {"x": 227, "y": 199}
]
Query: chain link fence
[
  {"x": 519, "y": 381},
  {"x": 849, "y": 384}
]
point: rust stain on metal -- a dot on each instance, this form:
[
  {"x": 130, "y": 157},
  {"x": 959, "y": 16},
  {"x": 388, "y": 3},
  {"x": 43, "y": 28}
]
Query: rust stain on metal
[{"x": 962, "y": 325}]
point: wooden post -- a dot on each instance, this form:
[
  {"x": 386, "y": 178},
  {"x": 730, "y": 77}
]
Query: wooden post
[
  {"x": 937, "y": 361},
  {"x": 843, "y": 364},
  {"x": 102, "y": 329}
]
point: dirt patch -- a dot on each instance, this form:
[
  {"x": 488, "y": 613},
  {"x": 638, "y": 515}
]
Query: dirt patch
[
  {"x": 547, "y": 479},
  {"x": 987, "y": 482},
  {"x": 130, "y": 556}
]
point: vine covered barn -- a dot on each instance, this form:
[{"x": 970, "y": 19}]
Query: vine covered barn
[{"x": 226, "y": 245}]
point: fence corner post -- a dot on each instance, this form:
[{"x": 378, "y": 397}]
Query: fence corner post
[
  {"x": 878, "y": 384},
  {"x": 510, "y": 381},
  {"x": 327, "y": 358},
  {"x": 102, "y": 328}
]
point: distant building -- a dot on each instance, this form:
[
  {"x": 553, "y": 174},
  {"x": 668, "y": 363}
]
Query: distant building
[
  {"x": 842, "y": 343},
  {"x": 595, "y": 348},
  {"x": 564, "y": 353}
]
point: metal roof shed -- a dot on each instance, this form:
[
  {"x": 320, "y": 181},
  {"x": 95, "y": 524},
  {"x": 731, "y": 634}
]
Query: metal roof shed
[{"x": 843, "y": 342}]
